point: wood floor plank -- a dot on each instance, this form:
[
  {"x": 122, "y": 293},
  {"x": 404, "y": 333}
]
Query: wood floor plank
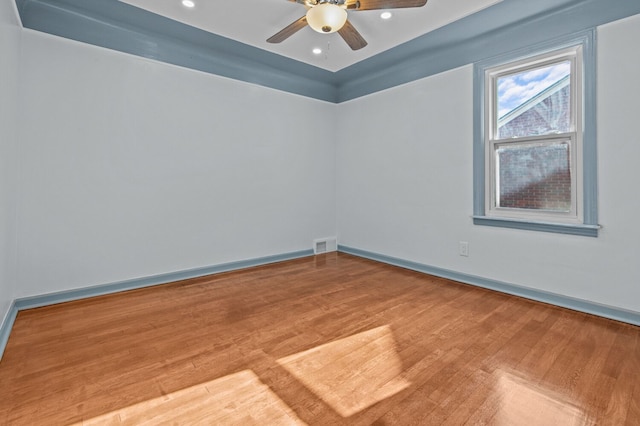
[{"x": 325, "y": 340}]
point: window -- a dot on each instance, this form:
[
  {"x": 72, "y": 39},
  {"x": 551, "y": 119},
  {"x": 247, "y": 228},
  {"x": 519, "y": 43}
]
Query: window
[{"x": 534, "y": 148}]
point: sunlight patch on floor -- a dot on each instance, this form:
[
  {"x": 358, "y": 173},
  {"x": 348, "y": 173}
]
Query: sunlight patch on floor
[
  {"x": 353, "y": 373},
  {"x": 236, "y": 399},
  {"x": 524, "y": 403}
]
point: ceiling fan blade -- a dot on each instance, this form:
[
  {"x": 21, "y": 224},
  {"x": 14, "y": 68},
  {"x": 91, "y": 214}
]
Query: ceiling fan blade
[
  {"x": 288, "y": 31},
  {"x": 352, "y": 36},
  {"x": 383, "y": 4}
]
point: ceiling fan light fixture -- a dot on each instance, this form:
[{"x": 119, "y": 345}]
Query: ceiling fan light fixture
[{"x": 326, "y": 18}]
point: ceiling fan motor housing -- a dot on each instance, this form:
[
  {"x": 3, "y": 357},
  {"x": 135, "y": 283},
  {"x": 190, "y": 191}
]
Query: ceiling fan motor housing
[
  {"x": 329, "y": 16},
  {"x": 326, "y": 17}
]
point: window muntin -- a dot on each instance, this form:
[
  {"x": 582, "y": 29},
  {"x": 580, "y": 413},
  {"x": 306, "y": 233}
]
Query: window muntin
[{"x": 533, "y": 138}]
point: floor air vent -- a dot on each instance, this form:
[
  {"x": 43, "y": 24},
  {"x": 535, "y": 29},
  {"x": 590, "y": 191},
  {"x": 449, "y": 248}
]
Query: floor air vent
[
  {"x": 325, "y": 245},
  {"x": 321, "y": 247}
]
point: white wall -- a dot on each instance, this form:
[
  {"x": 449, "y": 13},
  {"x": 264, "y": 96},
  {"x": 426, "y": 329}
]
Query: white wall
[
  {"x": 404, "y": 183},
  {"x": 131, "y": 168},
  {"x": 134, "y": 168},
  {"x": 9, "y": 56}
]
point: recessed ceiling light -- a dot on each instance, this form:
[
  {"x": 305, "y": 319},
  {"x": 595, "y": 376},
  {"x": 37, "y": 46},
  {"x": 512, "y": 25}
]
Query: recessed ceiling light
[
  {"x": 386, "y": 15},
  {"x": 188, "y": 3},
  {"x": 317, "y": 51}
]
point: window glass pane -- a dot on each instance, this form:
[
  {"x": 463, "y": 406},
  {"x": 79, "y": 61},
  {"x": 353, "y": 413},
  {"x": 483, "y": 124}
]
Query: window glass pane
[
  {"x": 534, "y": 177},
  {"x": 534, "y": 102}
]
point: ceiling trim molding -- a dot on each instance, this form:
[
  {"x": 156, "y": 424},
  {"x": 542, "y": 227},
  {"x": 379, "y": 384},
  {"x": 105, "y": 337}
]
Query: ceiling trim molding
[
  {"x": 508, "y": 25},
  {"x": 119, "y": 26},
  {"x": 486, "y": 34}
]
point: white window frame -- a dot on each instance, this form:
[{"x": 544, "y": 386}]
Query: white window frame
[
  {"x": 582, "y": 217},
  {"x": 573, "y": 55}
]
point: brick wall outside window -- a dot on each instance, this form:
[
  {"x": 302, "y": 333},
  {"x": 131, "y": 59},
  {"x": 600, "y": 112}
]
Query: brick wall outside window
[{"x": 537, "y": 177}]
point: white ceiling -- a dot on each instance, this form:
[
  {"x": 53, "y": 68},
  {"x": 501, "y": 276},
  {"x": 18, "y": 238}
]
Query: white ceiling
[{"x": 253, "y": 21}]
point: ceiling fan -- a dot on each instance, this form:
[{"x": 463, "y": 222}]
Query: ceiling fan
[{"x": 329, "y": 16}]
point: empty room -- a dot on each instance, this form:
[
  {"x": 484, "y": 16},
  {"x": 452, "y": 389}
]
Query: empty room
[{"x": 319, "y": 212}]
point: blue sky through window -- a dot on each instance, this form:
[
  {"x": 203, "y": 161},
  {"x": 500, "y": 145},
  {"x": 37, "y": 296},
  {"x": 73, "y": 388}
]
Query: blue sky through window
[{"x": 515, "y": 89}]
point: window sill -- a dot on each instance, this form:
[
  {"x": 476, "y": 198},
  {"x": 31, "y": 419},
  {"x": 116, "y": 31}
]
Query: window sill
[{"x": 558, "y": 228}]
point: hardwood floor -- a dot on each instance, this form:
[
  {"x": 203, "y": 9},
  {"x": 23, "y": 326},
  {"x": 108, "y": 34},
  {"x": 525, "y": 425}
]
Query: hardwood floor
[{"x": 325, "y": 340}]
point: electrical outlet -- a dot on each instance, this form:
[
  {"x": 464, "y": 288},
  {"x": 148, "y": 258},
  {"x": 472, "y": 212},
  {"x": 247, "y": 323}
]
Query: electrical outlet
[{"x": 463, "y": 248}]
